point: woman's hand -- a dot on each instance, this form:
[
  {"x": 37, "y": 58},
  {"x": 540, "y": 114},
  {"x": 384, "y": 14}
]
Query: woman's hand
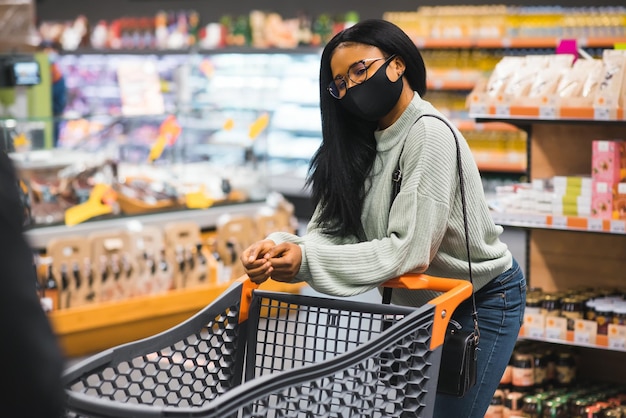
[
  {"x": 265, "y": 259},
  {"x": 285, "y": 259},
  {"x": 256, "y": 266}
]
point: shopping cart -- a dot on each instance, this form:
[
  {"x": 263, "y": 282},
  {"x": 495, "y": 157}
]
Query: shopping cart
[{"x": 253, "y": 353}]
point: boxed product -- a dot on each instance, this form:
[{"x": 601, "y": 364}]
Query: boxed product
[
  {"x": 572, "y": 185},
  {"x": 619, "y": 201},
  {"x": 602, "y": 200},
  {"x": 571, "y": 195},
  {"x": 608, "y": 161},
  {"x": 608, "y": 201},
  {"x": 571, "y": 205}
]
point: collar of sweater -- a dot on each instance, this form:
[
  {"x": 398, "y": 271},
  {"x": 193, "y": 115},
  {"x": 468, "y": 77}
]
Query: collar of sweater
[{"x": 389, "y": 137}]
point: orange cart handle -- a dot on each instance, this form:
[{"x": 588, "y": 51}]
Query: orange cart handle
[{"x": 456, "y": 291}]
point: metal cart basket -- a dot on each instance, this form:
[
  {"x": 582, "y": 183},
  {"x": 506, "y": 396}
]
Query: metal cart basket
[{"x": 253, "y": 353}]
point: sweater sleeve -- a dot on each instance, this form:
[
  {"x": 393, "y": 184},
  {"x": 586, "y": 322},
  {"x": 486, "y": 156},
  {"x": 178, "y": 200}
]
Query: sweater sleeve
[{"x": 400, "y": 240}]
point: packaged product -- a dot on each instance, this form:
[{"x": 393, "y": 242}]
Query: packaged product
[
  {"x": 523, "y": 76},
  {"x": 571, "y": 83},
  {"x": 502, "y": 74},
  {"x": 608, "y": 201},
  {"x": 608, "y": 161},
  {"x": 545, "y": 83},
  {"x": 590, "y": 86},
  {"x": 611, "y": 83}
]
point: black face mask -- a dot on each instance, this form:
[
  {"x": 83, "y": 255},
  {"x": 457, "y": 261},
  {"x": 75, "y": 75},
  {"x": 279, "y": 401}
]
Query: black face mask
[{"x": 375, "y": 97}]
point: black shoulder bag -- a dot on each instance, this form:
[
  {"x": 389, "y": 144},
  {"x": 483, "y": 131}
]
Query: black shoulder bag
[{"x": 457, "y": 371}]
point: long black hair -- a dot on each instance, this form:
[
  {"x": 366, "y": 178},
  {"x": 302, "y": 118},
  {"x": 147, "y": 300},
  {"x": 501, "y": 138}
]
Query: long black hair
[{"x": 340, "y": 166}]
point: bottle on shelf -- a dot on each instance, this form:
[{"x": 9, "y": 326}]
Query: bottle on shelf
[{"x": 50, "y": 287}]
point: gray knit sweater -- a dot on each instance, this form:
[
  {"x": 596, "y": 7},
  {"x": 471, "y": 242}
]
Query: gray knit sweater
[{"x": 422, "y": 232}]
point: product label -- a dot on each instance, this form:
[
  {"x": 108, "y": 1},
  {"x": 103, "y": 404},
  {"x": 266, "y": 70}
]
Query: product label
[
  {"x": 594, "y": 224},
  {"x": 523, "y": 377},
  {"x": 534, "y": 325},
  {"x": 618, "y": 227},
  {"x": 602, "y": 113},
  {"x": 547, "y": 112},
  {"x": 585, "y": 332},
  {"x": 556, "y": 328},
  {"x": 617, "y": 337}
]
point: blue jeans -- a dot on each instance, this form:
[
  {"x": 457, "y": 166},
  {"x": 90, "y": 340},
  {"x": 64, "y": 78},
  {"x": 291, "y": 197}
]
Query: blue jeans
[{"x": 500, "y": 305}]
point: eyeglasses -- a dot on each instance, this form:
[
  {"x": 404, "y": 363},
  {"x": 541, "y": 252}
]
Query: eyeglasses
[{"x": 357, "y": 73}]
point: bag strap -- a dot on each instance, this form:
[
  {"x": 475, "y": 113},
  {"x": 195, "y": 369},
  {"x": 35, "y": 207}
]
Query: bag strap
[{"x": 397, "y": 180}]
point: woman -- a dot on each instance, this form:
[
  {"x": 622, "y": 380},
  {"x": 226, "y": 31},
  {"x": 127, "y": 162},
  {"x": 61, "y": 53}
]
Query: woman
[{"x": 372, "y": 83}]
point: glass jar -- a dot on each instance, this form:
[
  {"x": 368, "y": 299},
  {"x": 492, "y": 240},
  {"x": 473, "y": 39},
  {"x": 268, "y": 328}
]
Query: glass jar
[
  {"x": 604, "y": 316},
  {"x": 540, "y": 370},
  {"x": 533, "y": 303},
  {"x": 513, "y": 403},
  {"x": 551, "y": 305},
  {"x": 565, "y": 368},
  {"x": 619, "y": 313},
  {"x": 572, "y": 308},
  {"x": 522, "y": 379},
  {"x": 531, "y": 407},
  {"x": 496, "y": 407}
]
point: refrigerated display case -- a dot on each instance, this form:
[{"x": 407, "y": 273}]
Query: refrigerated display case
[{"x": 195, "y": 164}]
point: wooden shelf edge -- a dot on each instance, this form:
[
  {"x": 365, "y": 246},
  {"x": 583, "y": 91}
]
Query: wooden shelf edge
[{"x": 114, "y": 313}]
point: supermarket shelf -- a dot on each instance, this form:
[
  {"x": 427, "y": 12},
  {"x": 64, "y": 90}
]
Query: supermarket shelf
[
  {"x": 498, "y": 165},
  {"x": 39, "y": 237},
  {"x": 88, "y": 329},
  {"x": 471, "y": 125},
  {"x": 453, "y": 79},
  {"x": 435, "y": 83},
  {"x": 532, "y": 114},
  {"x": 602, "y": 341},
  {"x": 565, "y": 223},
  {"x": 495, "y": 43}
]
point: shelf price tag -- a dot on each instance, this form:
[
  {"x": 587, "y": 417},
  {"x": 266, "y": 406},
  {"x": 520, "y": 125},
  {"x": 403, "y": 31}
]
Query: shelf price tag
[
  {"x": 503, "y": 110},
  {"x": 595, "y": 224},
  {"x": 559, "y": 222},
  {"x": 556, "y": 328},
  {"x": 547, "y": 112},
  {"x": 534, "y": 325},
  {"x": 617, "y": 337},
  {"x": 537, "y": 220},
  {"x": 601, "y": 113},
  {"x": 618, "y": 227},
  {"x": 585, "y": 332},
  {"x": 478, "y": 109}
]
